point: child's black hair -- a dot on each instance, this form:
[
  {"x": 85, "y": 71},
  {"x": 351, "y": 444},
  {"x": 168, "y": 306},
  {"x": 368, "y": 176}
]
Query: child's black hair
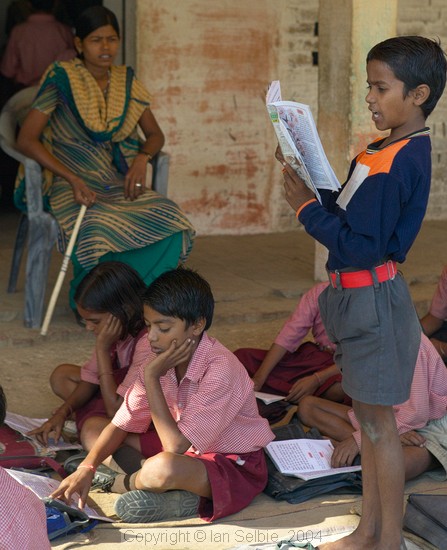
[
  {"x": 116, "y": 288},
  {"x": 414, "y": 60},
  {"x": 2, "y": 406},
  {"x": 181, "y": 293}
]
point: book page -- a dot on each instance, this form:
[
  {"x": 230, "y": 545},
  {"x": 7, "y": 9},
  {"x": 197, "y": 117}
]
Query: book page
[
  {"x": 305, "y": 458},
  {"x": 288, "y": 148},
  {"x": 24, "y": 424},
  {"x": 268, "y": 398},
  {"x": 44, "y": 486},
  {"x": 298, "y": 120}
]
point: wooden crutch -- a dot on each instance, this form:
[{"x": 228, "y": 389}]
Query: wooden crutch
[{"x": 61, "y": 276}]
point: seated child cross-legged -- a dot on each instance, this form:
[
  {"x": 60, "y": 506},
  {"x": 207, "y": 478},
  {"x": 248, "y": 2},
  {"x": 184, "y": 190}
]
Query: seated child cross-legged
[
  {"x": 293, "y": 368},
  {"x": 427, "y": 402},
  {"x": 201, "y": 403},
  {"x": 109, "y": 300},
  {"x": 434, "y": 323}
]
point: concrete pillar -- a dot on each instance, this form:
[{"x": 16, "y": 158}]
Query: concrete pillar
[{"x": 347, "y": 31}]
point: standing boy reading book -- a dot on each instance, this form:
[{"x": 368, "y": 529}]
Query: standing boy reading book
[
  {"x": 201, "y": 403},
  {"x": 367, "y": 227}
]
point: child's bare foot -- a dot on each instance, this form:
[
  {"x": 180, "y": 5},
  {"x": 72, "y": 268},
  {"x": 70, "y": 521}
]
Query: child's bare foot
[{"x": 354, "y": 541}]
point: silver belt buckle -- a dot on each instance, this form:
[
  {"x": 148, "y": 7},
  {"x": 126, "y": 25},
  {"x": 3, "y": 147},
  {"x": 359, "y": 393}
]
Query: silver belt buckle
[{"x": 391, "y": 272}]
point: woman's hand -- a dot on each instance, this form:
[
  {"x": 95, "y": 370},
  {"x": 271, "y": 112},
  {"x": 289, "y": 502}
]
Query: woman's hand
[
  {"x": 110, "y": 333},
  {"x": 79, "y": 482},
  {"x": 306, "y": 386},
  {"x": 81, "y": 193},
  {"x": 344, "y": 453},
  {"x": 135, "y": 180},
  {"x": 53, "y": 425}
]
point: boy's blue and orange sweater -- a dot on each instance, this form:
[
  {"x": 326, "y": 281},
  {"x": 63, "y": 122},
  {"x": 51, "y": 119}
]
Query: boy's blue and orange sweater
[{"x": 380, "y": 208}]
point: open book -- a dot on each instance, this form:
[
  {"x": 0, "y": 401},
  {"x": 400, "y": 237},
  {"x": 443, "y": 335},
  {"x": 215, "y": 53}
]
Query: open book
[
  {"x": 268, "y": 398},
  {"x": 305, "y": 458},
  {"x": 299, "y": 141},
  {"x": 24, "y": 424},
  {"x": 44, "y": 486}
]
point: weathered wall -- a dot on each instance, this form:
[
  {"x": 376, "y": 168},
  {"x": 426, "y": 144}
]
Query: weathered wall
[
  {"x": 208, "y": 65},
  {"x": 429, "y": 18}
]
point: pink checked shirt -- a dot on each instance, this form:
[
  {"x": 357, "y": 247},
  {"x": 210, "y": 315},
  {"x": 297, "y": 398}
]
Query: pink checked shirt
[
  {"x": 214, "y": 404},
  {"x": 23, "y": 522},
  {"x": 428, "y": 396},
  {"x": 438, "y": 306},
  {"x": 131, "y": 352},
  {"x": 35, "y": 44},
  {"x": 305, "y": 317}
]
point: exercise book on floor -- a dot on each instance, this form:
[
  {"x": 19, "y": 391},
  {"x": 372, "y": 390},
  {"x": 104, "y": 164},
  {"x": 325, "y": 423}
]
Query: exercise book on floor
[
  {"x": 305, "y": 458},
  {"x": 43, "y": 486},
  {"x": 268, "y": 398},
  {"x": 24, "y": 424}
]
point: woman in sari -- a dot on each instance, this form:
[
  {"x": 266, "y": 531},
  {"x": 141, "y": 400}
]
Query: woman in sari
[{"x": 83, "y": 129}]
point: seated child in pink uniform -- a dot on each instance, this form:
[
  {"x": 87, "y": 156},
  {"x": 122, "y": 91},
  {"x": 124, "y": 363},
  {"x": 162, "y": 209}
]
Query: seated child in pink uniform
[
  {"x": 201, "y": 403},
  {"x": 427, "y": 401},
  {"x": 109, "y": 299},
  {"x": 434, "y": 323},
  {"x": 23, "y": 522},
  {"x": 292, "y": 368}
]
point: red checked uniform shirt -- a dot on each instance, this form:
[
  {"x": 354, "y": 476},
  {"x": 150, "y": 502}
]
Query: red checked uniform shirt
[
  {"x": 23, "y": 522},
  {"x": 428, "y": 396},
  {"x": 305, "y": 317},
  {"x": 214, "y": 404},
  {"x": 438, "y": 307}
]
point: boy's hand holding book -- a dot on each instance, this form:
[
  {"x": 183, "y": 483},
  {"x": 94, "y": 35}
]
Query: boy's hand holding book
[{"x": 297, "y": 192}]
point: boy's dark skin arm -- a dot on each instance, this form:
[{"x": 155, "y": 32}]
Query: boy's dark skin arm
[
  {"x": 430, "y": 324},
  {"x": 80, "y": 481},
  {"x": 109, "y": 334},
  {"x": 296, "y": 191},
  {"x": 179, "y": 357}
]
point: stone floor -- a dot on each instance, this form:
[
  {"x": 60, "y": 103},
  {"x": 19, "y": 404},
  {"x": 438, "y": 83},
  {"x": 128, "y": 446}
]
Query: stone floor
[{"x": 257, "y": 280}]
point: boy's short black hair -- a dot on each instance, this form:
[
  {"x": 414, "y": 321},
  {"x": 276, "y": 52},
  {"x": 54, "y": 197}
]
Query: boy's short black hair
[
  {"x": 414, "y": 60},
  {"x": 2, "y": 406},
  {"x": 181, "y": 293}
]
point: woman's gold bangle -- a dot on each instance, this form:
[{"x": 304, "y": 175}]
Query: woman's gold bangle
[{"x": 147, "y": 155}]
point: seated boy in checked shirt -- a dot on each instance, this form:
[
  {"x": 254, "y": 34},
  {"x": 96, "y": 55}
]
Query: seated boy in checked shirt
[{"x": 205, "y": 456}]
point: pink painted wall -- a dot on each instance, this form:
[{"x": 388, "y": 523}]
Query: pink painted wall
[{"x": 208, "y": 65}]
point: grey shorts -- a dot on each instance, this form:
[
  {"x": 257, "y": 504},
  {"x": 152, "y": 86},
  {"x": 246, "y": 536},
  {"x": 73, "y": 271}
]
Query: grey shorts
[
  {"x": 377, "y": 333},
  {"x": 435, "y": 433}
]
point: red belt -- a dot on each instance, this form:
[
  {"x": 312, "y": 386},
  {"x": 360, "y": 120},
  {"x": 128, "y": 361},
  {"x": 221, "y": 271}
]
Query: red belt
[{"x": 357, "y": 279}]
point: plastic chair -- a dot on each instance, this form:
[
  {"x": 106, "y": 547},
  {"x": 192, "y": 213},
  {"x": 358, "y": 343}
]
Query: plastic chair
[{"x": 37, "y": 227}]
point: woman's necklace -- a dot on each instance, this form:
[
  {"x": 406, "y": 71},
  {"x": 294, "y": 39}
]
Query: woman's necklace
[{"x": 106, "y": 89}]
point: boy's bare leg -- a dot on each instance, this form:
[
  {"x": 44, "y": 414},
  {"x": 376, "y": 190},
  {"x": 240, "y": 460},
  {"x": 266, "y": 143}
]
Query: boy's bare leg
[
  {"x": 91, "y": 429},
  {"x": 417, "y": 461},
  {"x": 329, "y": 417},
  {"x": 65, "y": 379},
  {"x": 168, "y": 471},
  {"x": 383, "y": 483},
  {"x": 334, "y": 393}
]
